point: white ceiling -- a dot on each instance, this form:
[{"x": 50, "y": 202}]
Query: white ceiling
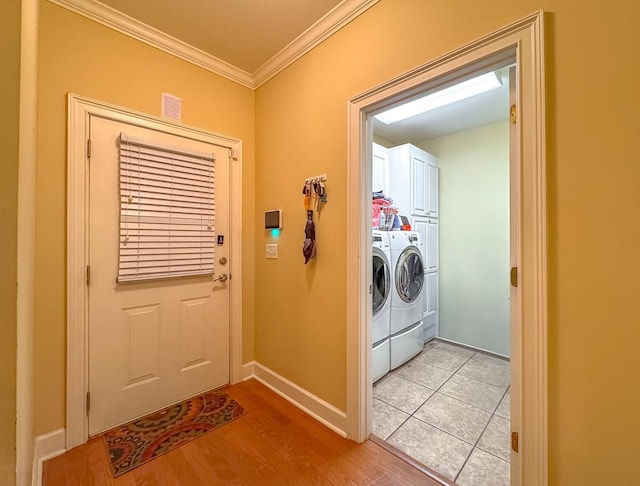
[{"x": 482, "y": 109}]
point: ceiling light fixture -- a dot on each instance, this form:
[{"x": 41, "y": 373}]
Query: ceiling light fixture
[{"x": 449, "y": 95}]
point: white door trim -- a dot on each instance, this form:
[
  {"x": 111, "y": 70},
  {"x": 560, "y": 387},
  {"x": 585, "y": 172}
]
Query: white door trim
[
  {"x": 79, "y": 110},
  {"x": 525, "y": 39}
]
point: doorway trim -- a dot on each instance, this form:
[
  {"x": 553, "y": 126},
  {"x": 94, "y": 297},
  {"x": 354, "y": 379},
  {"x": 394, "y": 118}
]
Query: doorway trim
[
  {"x": 79, "y": 111},
  {"x": 524, "y": 39}
]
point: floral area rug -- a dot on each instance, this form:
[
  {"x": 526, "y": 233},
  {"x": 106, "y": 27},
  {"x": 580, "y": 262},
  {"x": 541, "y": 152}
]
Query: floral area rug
[{"x": 141, "y": 440}]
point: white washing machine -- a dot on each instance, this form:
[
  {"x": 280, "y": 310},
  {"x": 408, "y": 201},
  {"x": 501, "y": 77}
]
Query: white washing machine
[
  {"x": 407, "y": 267},
  {"x": 381, "y": 300}
]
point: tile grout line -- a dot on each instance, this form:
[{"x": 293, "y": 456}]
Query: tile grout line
[
  {"x": 475, "y": 446},
  {"x": 429, "y": 397},
  {"x": 412, "y": 415},
  {"x": 444, "y": 382}
]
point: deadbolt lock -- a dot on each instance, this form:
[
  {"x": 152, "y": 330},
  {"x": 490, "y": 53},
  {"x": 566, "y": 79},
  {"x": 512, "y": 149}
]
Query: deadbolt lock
[{"x": 223, "y": 260}]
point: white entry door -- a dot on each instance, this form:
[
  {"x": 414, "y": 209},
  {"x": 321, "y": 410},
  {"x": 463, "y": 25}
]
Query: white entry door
[{"x": 151, "y": 343}]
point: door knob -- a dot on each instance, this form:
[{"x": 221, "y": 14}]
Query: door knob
[{"x": 222, "y": 278}]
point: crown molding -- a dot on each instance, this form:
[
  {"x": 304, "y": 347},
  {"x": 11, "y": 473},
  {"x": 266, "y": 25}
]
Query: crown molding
[
  {"x": 334, "y": 20},
  {"x": 124, "y": 24},
  {"x": 337, "y": 18}
]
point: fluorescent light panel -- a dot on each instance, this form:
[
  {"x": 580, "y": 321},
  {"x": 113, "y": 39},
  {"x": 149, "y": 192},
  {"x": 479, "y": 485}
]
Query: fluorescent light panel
[{"x": 458, "y": 92}]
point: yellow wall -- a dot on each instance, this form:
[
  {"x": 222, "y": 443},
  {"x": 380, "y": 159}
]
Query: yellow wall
[
  {"x": 10, "y": 87},
  {"x": 300, "y": 131},
  {"x": 83, "y": 57},
  {"x": 593, "y": 214}
]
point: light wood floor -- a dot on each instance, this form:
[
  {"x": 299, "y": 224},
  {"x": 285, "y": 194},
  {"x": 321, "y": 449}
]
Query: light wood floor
[{"x": 275, "y": 443}]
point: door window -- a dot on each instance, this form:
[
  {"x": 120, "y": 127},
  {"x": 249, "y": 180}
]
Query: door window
[{"x": 167, "y": 211}]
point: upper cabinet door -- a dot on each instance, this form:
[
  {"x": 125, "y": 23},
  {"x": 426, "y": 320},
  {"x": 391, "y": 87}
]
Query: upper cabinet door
[
  {"x": 419, "y": 182},
  {"x": 432, "y": 189},
  {"x": 412, "y": 176},
  {"x": 379, "y": 171}
]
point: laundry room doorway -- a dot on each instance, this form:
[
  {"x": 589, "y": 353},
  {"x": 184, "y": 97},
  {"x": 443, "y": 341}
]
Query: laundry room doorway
[
  {"x": 440, "y": 197},
  {"x": 475, "y": 372}
]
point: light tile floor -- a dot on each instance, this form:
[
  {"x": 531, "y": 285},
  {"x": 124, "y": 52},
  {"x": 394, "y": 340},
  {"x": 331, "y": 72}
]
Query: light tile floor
[{"x": 449, "y": 408}]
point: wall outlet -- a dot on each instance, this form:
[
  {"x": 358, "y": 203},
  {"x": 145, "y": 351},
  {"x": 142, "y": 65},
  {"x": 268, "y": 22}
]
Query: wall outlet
[{"x": 272, "y": 250}]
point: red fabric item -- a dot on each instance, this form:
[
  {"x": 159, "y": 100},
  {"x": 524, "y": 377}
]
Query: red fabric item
[
  {"x": 382, "y": 202},
  {"x": 375, "y": 215}
]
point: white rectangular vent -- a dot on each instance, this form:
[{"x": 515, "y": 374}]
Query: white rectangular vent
[
  {"x": 171, "y": 106},
  {"x": 167, "y": 211}
]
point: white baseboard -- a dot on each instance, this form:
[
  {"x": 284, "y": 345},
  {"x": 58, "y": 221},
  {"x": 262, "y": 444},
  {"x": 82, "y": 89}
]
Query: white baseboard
[
  {"x": 247, "y": 370},
  {"x": 323, "y": 412},
  {"x": 473, "y": 348},
  {"x": 46, "y": 447}
]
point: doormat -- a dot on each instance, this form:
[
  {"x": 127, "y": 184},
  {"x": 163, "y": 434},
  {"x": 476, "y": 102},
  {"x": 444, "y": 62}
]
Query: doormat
[{"x": 141, "y": 440}]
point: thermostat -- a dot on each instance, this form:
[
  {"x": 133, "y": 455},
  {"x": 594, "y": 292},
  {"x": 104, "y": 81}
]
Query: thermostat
[{"x": 273, "y": 219}]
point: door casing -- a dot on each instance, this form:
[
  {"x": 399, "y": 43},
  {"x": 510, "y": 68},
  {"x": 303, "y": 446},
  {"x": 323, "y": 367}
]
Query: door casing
[
  {"x": 524, "y": 41},
  {"x": 79, "y": 111}
]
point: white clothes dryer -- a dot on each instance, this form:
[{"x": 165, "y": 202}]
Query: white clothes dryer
[
  {"x": 407, "y": 268},
  {"x": 381, "y": 300},
  {"x": 408, "y": 279}
]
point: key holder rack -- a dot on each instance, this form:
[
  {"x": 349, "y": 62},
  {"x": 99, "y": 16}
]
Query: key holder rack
[
  {"x": 315, "y": 190},
  {"x": 315, "y": 179}
]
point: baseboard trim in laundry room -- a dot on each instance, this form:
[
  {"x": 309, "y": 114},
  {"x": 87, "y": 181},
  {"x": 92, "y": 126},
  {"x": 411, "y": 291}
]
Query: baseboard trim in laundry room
[
  {"x": 472, "y": 348},
  {"x": 322, "y": 411}
]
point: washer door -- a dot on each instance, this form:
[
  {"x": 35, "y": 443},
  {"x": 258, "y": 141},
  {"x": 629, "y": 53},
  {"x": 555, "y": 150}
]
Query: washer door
[
  {"x": 409, "y": 274},
  {"x": 381, "y": 280}
]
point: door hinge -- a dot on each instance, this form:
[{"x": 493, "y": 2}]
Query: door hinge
[
  {"x": 514, "y": 276},
  {"x": 514, "y": 441},
  {"x": 371, "y": 288},
  {"x": 233, "y": 154},
  {"x": 88, "y": 148},
  {"x": 513, "y": 114},
  {"x": 88, "y": 274},
  {"x": 88, "y": 401}
]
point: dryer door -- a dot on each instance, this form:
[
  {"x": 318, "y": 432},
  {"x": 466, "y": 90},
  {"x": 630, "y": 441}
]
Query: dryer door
[
  {"x": 381, "y": 280},
  {"x": 409, "y": 274}
]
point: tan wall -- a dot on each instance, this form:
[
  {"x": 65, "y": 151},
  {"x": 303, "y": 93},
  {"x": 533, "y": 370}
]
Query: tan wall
[
  {"x": 594, "y": 201},
  {"x": 83, "y": 57},
  {"x": 10, "y": 87}
]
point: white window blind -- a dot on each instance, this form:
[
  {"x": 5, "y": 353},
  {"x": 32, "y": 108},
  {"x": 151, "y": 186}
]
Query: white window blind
[{"x": 167, "y": 211}]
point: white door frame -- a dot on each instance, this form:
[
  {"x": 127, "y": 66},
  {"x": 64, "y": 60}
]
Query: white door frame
[
  {"x": 80, "y": 109},
  {"x": 525, "y": 40}
]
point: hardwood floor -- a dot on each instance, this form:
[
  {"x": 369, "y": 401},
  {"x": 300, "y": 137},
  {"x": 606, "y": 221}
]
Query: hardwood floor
[{"x": 275, "y": 443}]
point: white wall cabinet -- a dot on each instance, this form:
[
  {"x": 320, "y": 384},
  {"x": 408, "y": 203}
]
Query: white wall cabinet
[
  {"x": 428, "y": 229},
  {"x": 379, "y": 169},
  {"x": 431, "y": 246},
  {"x": 430, "y": 317},
  {"x": 432, "y": 188},
  {"x": 413, "y": 180}
]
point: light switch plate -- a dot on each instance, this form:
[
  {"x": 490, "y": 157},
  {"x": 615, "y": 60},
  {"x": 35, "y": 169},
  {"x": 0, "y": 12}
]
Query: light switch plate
[{"x": 272, "y": 250}]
